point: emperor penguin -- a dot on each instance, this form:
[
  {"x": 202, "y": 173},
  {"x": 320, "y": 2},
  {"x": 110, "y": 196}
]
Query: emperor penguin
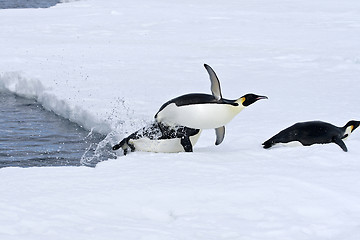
[
  {"x": 204, "y": 111},
  {"x": 157, "y": 137},
  {"x": 314, "y": 132}
]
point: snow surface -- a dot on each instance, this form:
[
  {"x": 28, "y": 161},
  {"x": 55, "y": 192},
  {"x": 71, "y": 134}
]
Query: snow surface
[{"x": 109, "y": 65}]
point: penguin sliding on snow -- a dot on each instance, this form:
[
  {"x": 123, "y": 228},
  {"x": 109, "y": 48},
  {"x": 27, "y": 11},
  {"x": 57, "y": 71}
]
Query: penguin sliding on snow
[
  {"x": 204, "y": 111},
  {"x": 308, "y": 133},
  {"x": 160, "y": 138}
]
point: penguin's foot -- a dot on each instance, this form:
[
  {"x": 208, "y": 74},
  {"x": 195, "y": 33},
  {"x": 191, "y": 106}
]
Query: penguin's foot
[
  {"x": 126, "y": 147},
  {"x": 131, "y": 146},
  {"x": 125, "y": 151}
]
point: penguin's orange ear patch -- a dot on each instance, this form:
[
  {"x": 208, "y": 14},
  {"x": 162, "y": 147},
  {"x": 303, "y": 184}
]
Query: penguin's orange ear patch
[
  {"x": 243, "y": 99},
  {"x": 351, "y": 128}
]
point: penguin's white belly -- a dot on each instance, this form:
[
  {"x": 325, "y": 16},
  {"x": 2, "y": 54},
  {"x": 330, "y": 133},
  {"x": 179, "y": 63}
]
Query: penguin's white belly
[
  {"x": 172, "y": 145},
  {"x": 291, "y": 144},
  {"x": 199, "y": 116}
]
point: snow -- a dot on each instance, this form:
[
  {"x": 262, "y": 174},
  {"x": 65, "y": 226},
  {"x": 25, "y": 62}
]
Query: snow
[{"x": 109, "y": 66}]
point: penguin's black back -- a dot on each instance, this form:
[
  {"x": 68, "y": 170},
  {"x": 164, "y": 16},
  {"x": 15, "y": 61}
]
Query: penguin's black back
[
  {"x": 196, "y": 98},
  {"x": 308, "y": 133},
  {"x": 157, "y": 131}
]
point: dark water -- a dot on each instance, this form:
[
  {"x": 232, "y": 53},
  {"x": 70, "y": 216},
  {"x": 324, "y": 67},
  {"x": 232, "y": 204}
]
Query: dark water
[
  {"x": 32, "y": 136},
  {"x": 4, "y": 4}
]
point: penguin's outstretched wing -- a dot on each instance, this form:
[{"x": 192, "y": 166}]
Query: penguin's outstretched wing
[
  {"x": 215, "y": 83},
  {"x": 340, "y": 142},
  {"x": 220, "y": 134},
  {"x": 216, "y": 92}
]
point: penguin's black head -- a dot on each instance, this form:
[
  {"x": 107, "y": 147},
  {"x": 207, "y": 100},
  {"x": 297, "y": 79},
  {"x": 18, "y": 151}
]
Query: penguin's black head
[
  {"x": 250, "y": 98},
  {"x": 352, "y": 124}
]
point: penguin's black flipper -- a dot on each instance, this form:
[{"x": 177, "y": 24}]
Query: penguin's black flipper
[
  {"x": 116, "y": 147},
  {"x": 220, "y": 134},
  {"x": 215, "y": 83},
  {"x": 340, "y": 142},
  {"x": 186, "y": 143}
]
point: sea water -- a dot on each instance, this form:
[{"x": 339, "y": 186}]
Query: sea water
[
  {"x": 32, "y": 136},
  {"x": 4, "y": 4}
]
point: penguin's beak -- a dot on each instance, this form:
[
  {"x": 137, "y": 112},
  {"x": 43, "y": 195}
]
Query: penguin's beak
[{"x": 261, "y": 97}]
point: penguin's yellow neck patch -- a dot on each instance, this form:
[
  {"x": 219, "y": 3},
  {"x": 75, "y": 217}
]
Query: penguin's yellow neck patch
[
  {"x": 348, "y": 131},
  {"x": 240, "y": 100}
]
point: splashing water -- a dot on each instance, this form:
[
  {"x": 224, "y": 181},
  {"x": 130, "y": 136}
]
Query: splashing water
[{"x": 98, "y": 152}]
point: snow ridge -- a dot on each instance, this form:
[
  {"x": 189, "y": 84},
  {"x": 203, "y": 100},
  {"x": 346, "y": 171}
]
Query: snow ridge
[{"x": 16, "y": 83}]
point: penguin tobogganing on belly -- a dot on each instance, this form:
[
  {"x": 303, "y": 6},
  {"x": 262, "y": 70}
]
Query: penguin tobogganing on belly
[
  {"x": 314, "y": 132},
  {"x": 204, "y": 111},
  {"x": 157, "y": 137}
]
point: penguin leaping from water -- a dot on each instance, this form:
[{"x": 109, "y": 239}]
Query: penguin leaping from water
[
  {"x": 204, "y": 111},
  {"x": 313, "y": 132}
]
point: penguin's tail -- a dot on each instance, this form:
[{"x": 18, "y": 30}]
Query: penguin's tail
[{"x": 268, "y": 144}]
